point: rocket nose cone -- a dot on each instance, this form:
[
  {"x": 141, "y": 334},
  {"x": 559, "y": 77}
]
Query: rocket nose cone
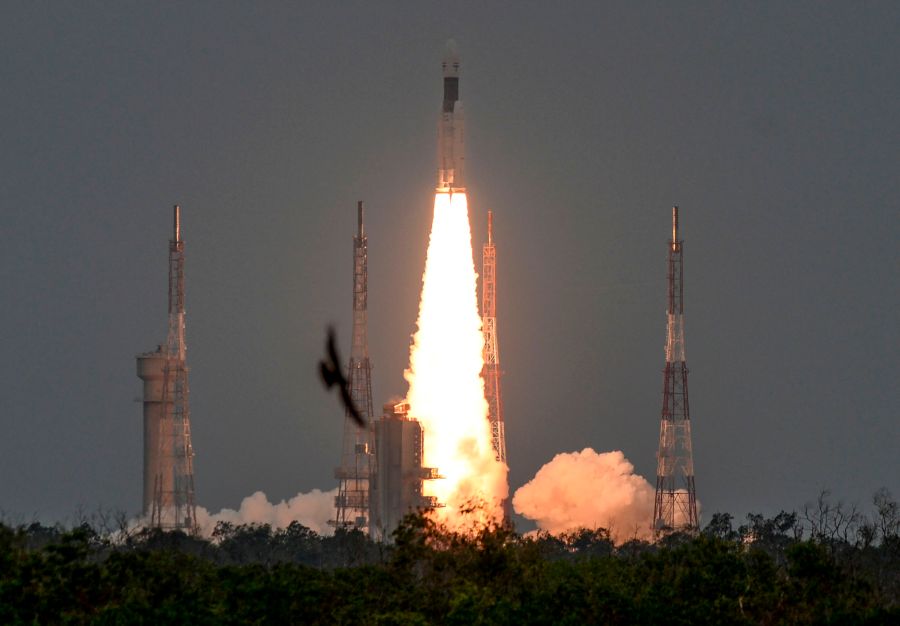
[
  {"x": 450, "y": 63},
  {"x": 450, "y": 49}
]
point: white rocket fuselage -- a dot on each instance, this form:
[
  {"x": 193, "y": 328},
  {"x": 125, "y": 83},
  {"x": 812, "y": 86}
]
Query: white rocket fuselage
[{"x": 451, "y": 126}]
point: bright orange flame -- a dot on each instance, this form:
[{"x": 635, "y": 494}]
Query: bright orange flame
[{"x": 446, "y": 390}]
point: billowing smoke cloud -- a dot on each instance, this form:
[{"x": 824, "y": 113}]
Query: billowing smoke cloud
[
  {"x": 312, "y": 509},
  {"x": 589, "y": 489}
]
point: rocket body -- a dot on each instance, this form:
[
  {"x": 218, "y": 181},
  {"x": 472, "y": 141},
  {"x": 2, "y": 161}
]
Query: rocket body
[{"x": 451, "y": 126}]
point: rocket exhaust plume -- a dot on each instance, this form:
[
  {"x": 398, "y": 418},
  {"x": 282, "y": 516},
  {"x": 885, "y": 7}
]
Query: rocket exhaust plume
[
  {"x": 589, "y": 490},
  {"x": 446, "y": 390},
  {"x": 311, "y": 509}
]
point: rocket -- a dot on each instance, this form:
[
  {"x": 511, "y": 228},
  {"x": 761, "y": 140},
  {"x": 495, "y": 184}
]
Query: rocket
[{"x": 451, "y": 153}]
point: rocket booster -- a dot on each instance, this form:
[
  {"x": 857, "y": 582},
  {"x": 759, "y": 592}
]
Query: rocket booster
[{"x": 451, "y": 153}]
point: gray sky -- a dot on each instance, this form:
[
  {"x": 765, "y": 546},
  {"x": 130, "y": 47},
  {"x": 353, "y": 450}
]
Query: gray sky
[{"x": 773, "y": 125}]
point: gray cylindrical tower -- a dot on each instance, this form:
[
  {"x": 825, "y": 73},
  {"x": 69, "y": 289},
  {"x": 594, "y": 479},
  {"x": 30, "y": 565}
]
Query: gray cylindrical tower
[{"x": 158, "y": 438}]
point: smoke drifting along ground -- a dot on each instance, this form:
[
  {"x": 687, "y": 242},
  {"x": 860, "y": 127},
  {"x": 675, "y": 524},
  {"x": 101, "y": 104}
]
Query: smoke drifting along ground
[
  {"x": 589, "y": 489},
  {"x": 312, "y": 509},
  {"x": 446, "y": 391}
]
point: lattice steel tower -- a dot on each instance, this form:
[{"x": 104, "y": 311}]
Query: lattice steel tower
[
  {"x": 358, "y": 450},
  {"x": 491, "y": 372},
  {"x": 168, "y": 453},
  {"x": 675, "y": 508},
  {"x": 491, "y": 353}
]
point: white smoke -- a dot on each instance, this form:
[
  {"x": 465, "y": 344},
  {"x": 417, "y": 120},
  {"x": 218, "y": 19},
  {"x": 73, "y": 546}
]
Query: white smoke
[
  {"x": 312, "y": 509},
  {"x": 589, "y": 490}
]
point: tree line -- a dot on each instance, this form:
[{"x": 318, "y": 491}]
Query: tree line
[{"x": 825, "y": 564}]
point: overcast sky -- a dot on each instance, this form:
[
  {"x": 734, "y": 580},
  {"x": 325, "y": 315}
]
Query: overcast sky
[{"x": 773, "y": 125}]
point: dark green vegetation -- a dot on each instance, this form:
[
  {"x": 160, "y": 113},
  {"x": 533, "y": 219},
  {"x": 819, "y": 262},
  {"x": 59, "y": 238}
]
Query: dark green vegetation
[{"x": 827, "y": 564}]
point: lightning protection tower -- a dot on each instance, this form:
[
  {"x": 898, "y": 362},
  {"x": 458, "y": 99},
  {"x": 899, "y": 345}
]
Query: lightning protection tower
[
  {"x": 675, "y": 507},
  {"x": 357, "y": 456},
  {"x": 168, "y": 453},
  {"x": 491, "y": 353}
]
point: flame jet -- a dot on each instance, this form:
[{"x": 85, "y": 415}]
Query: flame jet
[{"x": 451, "y": 126}]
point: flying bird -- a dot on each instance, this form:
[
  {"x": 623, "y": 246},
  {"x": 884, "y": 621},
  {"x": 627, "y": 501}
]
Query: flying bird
[{"x": 330, "y": 370}]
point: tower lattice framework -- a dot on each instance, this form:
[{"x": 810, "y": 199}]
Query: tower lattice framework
[
  {"x": 491, "y": 372},
  {"x": 491, "y": 354},
  {"x": 675, "y": 507},
  {"x": 354, "y": 474},
  {"x": 173, "y": 498}
]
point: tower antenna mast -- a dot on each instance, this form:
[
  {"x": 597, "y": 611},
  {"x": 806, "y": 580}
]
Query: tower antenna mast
[
  {"x": 491, "y": 353},
  {"x": 675, "y": 505},
  {"x": 354, "y": 474},
  {"x": 173, "y": 490}
]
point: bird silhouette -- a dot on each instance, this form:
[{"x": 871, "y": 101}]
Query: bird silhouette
[{"x": 330, "y": 371}]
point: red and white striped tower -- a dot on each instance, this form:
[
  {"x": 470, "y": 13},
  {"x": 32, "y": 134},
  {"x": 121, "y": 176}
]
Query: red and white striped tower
[
  {"x": 675, "y": 507},
  {"x": 169, "y": 454},
  {"x": 491, "y": 371}
]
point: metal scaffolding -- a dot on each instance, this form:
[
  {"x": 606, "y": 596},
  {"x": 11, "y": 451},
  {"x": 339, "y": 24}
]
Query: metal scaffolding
[
  {"x": 169, "y": 455},
  {"x": 675, "y": 506},
  {"x": 358, "y": 449},
  {"x": 491, "y": 353},
  {"x": 398, "y": 482},
  {"x": 491, "y": 372}
]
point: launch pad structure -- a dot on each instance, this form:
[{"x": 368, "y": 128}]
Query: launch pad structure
[
  {"x": 380, "y": 477},
  {"x": 352, "y": 509},
  {"x": 491, "y": 353},
  {"x": 491, "y": 372},
  {"x": 168, "y": 501},
  {"x": 675, "y": 504},
  {"x": 397, "y": 485}
]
